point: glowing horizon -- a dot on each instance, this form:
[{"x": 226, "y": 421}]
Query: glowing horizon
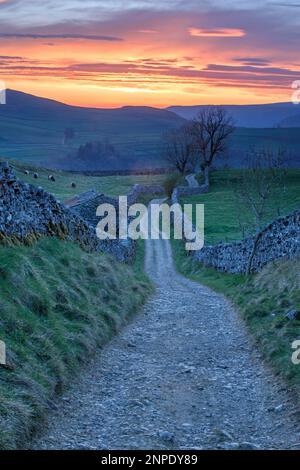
[{"x": 105, "y": 54}]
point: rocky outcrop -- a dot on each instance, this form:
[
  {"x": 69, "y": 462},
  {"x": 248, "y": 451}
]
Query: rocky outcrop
[{"x": 28, "y": 212}]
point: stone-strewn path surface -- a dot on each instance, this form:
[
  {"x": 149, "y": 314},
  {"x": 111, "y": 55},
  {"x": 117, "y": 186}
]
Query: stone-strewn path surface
[{"x": 182, "y": 375}]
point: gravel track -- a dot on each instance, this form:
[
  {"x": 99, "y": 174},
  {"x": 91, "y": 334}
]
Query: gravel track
[
  {"x": 192, "y": 182},
  {"x": 184, "y": 374}
]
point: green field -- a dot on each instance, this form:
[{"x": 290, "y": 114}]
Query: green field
[
  {"x": 61, "y": 188},
  {"x": 222, "y": 211},
  {"x": 49, "y": 151},
  {"x": 43, "y": 146},
  {"x": 245, "y": 139}
]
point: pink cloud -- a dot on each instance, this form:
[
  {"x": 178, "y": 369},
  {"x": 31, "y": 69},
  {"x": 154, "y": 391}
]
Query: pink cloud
[{"x": 217, "y": 32}]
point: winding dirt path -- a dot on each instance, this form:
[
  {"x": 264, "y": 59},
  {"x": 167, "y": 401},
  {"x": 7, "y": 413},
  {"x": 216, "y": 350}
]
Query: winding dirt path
[
  {"x": 192, "y": 182},
  {"x": 183, "y": 375}
]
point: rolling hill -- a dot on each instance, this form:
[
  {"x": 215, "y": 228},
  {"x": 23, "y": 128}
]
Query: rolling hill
[
  {"x": 253, "y": 116},
  {"x": 32, "y": 129},
  {"x": 292, "y": 121}
]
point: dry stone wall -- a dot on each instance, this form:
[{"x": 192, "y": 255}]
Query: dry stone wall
[
  {"x": 188, "y": 191},
  {"x": 27, "y": 211},
  {"x": 280, "y": 239}
]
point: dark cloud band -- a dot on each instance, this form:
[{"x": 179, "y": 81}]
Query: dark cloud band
[{"x": 87, "y": 37}]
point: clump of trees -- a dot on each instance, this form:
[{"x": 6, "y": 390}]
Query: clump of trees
[
  {"x": 202, "y": 140},
  {"x": 95, "y": 150},
  {"x": 95, "y": 155}
]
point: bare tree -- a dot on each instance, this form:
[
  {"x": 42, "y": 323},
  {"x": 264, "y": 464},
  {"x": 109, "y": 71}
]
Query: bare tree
[
  {"x": 259, "y": 191},
  {"x": 261, "y": 181},
  {"x": 179, "y": 149},
  {"x": 210, "y": 131}
]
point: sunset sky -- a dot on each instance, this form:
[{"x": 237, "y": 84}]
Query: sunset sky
[{"x": 146, "y": 52}]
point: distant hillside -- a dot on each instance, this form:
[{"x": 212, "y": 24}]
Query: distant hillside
[
  {"x": 243, "y": 140},
  {"x": 254, "y": 116},
  {"x": 32, "y": 129},
  {"x": 292, "y": 121}
]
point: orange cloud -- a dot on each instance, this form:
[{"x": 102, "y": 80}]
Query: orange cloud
[
  {"x": 159, "y": 60},
  {"x": 147, "y": 31}
]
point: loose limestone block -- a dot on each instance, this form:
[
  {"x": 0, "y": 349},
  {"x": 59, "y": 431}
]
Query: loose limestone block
[{"x": 293, "y": 314}]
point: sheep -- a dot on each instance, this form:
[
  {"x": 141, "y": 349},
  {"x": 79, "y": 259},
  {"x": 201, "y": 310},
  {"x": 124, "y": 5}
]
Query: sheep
[
  {"x": 73, "y": 185},
  {"x": 26, "y": 172},
  {"x": 35, "y": 175},
  {"x": 51, "y": 178}
]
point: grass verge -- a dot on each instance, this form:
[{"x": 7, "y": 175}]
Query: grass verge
[
  {"x": 263, "y": 300},
  {"x": 58, "y": 304}
]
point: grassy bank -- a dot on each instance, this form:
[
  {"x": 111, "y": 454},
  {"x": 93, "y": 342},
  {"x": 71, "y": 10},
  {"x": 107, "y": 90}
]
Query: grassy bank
[
  {"x": 263, "y": 300},
  {"x": 58, "y": 304}
]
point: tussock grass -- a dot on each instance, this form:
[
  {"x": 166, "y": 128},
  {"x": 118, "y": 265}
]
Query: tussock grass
[
  {"x": 263, "y": 300},
  {"x": 58, "y": 304}
]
